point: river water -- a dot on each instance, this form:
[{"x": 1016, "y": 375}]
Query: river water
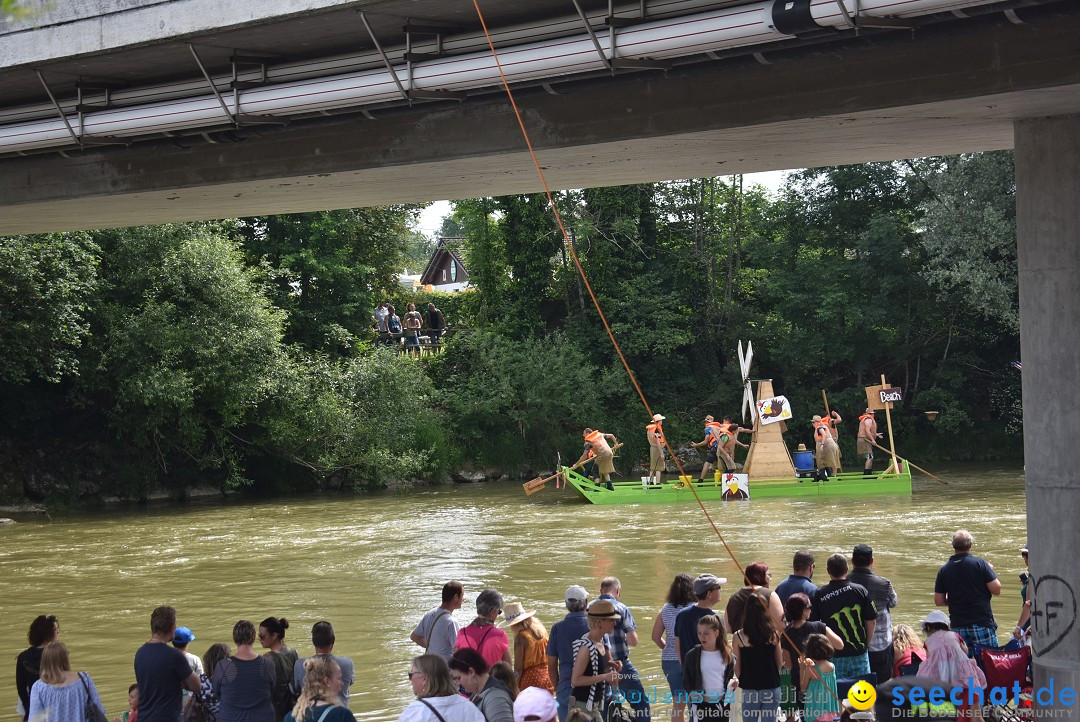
[{"x": 373, "y": 564}]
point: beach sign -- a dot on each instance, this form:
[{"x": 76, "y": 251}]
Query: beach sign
[{"x": 773, "y": 410}]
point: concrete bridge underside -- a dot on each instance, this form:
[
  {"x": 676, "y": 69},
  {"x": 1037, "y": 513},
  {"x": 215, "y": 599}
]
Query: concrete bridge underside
[{"x": 886, "y": 96}]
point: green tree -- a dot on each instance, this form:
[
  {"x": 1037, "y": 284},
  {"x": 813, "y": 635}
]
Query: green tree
[
  {"x": 46, "y": 283},
  {"x": 970, "y": 236},
  {"x": 187, "y": 345},
  {"x": 329, "y": 269}
]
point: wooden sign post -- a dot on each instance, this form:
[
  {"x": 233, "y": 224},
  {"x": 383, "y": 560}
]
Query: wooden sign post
[{"x": 883, "y": 397}]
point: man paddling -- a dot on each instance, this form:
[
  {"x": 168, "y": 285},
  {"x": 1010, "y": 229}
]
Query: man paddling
[
  {"x": 868, "y": 436},
  {"x": 605, "y": 457}
]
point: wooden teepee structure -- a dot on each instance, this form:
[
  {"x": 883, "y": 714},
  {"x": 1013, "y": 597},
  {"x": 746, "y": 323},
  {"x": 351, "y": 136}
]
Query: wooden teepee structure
[{"x": 768, "y": 457}]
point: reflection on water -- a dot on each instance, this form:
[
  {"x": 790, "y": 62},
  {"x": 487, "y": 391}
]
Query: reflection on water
[{"x": 372, "y": 565}]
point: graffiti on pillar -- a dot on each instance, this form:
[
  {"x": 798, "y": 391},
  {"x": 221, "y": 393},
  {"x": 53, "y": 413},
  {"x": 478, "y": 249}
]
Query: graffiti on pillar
[{"x": 1053, "y": 612}]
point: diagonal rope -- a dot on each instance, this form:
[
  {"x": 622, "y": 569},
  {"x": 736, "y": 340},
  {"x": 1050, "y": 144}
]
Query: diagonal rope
[{"x": 600, "y": 311}]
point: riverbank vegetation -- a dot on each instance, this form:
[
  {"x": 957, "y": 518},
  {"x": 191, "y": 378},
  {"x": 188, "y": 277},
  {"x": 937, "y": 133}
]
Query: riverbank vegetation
[{"x": 239, "y": 352}]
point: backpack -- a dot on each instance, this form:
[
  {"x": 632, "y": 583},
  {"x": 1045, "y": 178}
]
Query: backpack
[{"x": 284, "y": 697}]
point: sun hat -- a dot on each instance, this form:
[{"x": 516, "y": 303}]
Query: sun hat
[
  {"x": 183, "y": 635},
  {"x": 658, "y": 417},
  {"x": 1024, "y": 549},
  {"x": 515, "y": 614},
  {"x": 603, "y": 609},
  {"x": 937, "y": 617},
  {"x": 816, "y": 418},
  {"x": 709, "y": 418},
  {"x": 534, "y": 704}
]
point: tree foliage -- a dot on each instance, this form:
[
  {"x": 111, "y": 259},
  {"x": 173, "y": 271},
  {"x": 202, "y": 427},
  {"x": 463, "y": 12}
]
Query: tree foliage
[{"x": 46, "y": 283}]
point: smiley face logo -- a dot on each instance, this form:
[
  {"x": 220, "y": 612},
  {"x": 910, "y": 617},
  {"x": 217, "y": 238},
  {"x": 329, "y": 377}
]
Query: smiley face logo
[{"x": 862, "y": 695}]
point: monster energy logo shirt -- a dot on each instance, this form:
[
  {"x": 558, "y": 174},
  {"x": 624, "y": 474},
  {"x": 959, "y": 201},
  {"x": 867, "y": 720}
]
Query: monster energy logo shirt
[{"x": 845, "y": 608}]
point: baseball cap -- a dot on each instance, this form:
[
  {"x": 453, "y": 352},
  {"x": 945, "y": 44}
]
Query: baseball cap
[
  {"x": 577, "y": 592},
  {"x": 534, "y": 704},
  {"x": 183, "y": 635},
  {"x": 706, "y": 582}
]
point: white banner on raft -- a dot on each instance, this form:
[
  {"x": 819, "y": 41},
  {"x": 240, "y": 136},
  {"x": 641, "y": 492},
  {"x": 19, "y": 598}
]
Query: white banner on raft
[{"x": 773, "y": 410}]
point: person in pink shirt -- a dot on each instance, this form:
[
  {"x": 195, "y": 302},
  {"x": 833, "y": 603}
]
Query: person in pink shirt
[{"x": 482, "y": 635}]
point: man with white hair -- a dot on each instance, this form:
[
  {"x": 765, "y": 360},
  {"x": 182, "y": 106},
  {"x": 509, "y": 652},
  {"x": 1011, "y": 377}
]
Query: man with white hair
[{"x": 965, "y": 584}]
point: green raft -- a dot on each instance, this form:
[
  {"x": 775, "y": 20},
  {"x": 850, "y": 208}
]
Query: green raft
[{"x": 846, "y": 484}]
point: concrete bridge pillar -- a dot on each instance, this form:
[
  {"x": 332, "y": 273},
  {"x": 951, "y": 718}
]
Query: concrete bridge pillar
[{"x": 1048, "y": 244}]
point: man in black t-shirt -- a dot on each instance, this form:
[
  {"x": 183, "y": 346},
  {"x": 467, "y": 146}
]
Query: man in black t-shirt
[
  {"x": 847, "y": 610},
  {"x": 162, "y": 672},
  {"x": 965, "y": 584}
]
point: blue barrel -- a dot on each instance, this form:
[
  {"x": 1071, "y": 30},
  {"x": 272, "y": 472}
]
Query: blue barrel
[{"x": 804, "y": 460}]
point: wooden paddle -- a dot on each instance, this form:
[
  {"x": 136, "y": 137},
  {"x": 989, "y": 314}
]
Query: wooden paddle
[
  {"x": 913, "y": 466},
  {"x": 538, "y": 484}
]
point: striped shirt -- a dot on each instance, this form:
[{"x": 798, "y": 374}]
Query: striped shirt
[{"x": 667, "y": 616}]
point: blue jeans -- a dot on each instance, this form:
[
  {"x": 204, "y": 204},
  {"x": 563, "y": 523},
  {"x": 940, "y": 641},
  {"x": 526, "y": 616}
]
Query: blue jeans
[
  {"x": 761, "y": 705},
  {"x": 673, "y": 671},
  {"x": 633, "y": 691},
  {"x": 562, "y": 702}
]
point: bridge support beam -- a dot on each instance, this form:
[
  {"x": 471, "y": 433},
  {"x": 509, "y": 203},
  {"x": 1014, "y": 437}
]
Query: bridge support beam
[{"x": 1048, "y": 238}]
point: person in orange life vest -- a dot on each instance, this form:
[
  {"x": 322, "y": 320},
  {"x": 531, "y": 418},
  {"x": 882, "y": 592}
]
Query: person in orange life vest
[
  {"x": 713, "y": 433},
  {"x": 868, "y": 434},
  {"x": 733, "y": 431},
  {"x": 828, "y": 451},
  {"x": 605, "y": 463},
  {"x": 657, "y": 463}
]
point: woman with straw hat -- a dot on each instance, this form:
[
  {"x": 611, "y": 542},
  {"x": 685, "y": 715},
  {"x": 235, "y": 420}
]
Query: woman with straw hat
[
  {"x": 594, "y": 669},
  {"x": 530, "y": 647}
]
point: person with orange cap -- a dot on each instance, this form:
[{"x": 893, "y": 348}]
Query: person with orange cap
[
  {"x": 657, "y": 463},
  {"x": 596, "y": 441}
]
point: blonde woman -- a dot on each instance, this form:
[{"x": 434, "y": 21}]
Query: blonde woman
[
  {"x": 908, "y": 649},
  {"x": 60, "y": 695},
  {"x": 320, "y": 699},
  {"x": 437, "y": 697},
  {"x": 530, "y": 647}
]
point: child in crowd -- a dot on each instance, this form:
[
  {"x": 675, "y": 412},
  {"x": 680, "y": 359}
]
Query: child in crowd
[
  {"x": 707, "y": 671},
  {"x": 132, "y": 712},
  {"x": 818, "y": 679}
]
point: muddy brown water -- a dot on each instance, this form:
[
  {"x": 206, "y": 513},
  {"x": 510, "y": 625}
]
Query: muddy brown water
[{"x": 373, "y": 564}]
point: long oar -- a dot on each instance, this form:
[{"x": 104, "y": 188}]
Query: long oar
[
  {"x": 534, "y": 485},
  {"x": 913, "y": 466}
]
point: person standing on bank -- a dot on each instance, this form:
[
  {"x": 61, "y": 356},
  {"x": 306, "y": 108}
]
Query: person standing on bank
[
  {"x": 965, "y": 584},
  {"x": 481, "y": 633},
  {"x": 757, "y": 664},
  {"x": 864, "y": 442},
  {"x": 413, "y": 323},
  {"x": 272, "y": 636},
  {"x": 490, "y": 695},
  {"x": 162, "y": 672},
  {"x": 435, "y": 323},
  {"x": 61, "y": 695},
  {"x": 802, "y": 565},
  {"x": 437, "y": 698},
  {"x": 622, "y": 638},
  {"x": 680, "y": 596},
  {"x": 323, "y": 639},
  {"x": 560, "y": 647},
  {"x": 883, "y": 594},
  {"x": 848, "y": 610},
  {"x": 437, "y": 632},
  {"x": 245, "y": 682},
  {"x": 321, "y": 694},
  {"x": 594, "y": 670},
  {"x": 43, "y": 629}
]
